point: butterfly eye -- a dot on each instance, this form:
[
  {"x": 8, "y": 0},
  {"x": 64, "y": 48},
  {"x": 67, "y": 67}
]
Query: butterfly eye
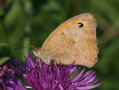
[{"x": 80, "y": 24}]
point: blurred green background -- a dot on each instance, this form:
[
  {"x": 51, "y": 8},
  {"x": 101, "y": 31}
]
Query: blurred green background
[{"x": 29, "y": 22}]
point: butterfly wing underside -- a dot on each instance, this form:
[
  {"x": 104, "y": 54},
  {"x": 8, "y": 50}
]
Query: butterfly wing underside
[{"x": 70, "y": 42}]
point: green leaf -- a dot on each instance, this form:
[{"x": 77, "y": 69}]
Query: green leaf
[{"x": 3, "y": 60}]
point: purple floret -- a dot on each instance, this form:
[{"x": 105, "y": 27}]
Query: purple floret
[{"x": 8, "y": 81}]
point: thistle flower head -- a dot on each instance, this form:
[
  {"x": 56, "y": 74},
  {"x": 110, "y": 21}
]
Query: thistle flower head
[{"x": 41, "y": 76}]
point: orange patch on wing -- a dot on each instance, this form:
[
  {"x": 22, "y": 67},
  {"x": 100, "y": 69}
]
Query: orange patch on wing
[
  {"x": 92, "y": 44},
  {"x": 62, "y": 28}
]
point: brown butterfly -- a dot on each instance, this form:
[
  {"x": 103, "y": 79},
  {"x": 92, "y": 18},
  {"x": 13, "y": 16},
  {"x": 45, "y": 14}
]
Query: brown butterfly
[{"x": 74, "y": 40}]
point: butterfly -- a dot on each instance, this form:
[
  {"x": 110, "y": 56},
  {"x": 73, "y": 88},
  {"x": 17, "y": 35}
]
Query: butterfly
[{"x": 74, "y": 40}]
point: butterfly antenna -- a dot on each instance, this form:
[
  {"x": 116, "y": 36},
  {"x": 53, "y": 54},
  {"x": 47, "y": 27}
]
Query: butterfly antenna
[{"x": 26, "y": 46}]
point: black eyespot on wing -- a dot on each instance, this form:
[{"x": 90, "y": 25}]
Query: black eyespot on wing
[{"x": 80, "y": 24}]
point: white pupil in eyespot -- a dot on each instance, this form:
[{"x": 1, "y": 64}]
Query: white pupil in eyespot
[{"x": 80, "y": 24}]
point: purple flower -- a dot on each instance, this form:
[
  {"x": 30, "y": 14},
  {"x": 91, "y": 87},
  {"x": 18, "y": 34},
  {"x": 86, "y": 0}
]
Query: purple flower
[
  {"x": 41, "y": 76},
  {"x": 8, "y": 81}
]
